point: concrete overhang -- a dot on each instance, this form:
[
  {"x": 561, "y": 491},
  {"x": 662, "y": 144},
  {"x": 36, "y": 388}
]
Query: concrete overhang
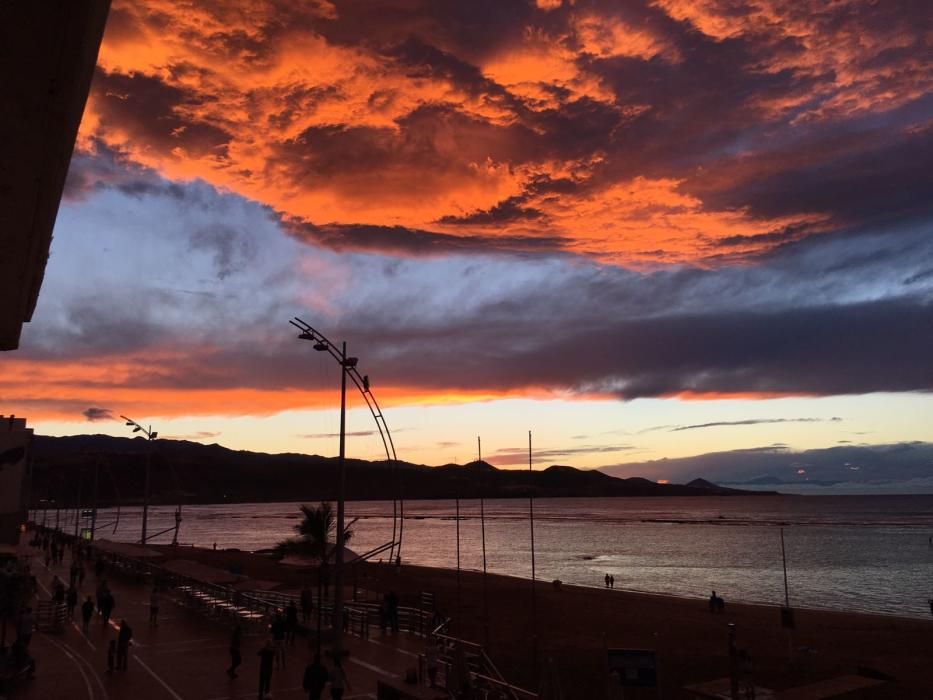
[{"x": 48, "y": 51}]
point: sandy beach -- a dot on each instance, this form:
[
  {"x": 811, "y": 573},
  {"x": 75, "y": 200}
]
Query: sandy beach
[{"x": 575, "y": 626}]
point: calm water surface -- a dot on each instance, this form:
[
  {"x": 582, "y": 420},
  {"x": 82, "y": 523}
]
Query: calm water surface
[{"x": 866, "y": 553}]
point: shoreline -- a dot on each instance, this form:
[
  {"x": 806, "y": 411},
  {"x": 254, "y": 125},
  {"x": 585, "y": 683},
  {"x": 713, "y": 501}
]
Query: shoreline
[{"x": 577, "y": 623}]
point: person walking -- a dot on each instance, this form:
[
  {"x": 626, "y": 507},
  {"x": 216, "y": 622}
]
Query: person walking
[
  {"x": 606, "y": 579},
  {"x": 87, "y": 612},
  {"x": 154, "y": 599},
  {"x": 235, "y": 658},
  {"x": 306, "y": 602},
  {"x": 71, "y": 601},
  {"x": 315, "y": 679},
  {"x": 266, "y": 658},
  {"x": 291, "y": 622},
  {"x": 338, "y": 681},
  {"x": 612, "y": 581},
  {"x": 124, "y": 636},
  {"x": 277, "y": 628},
  {"x": 106, "y": 605}
]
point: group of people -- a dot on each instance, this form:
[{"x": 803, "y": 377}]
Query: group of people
[
  {"x": 272, "y": 655},
  {"x": 610, "y": 581},
  {"x": 716, "y": 603}
]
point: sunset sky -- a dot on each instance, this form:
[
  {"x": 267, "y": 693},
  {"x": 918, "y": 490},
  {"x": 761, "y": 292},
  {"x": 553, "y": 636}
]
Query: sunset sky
[{"x": 641, "y": 229}]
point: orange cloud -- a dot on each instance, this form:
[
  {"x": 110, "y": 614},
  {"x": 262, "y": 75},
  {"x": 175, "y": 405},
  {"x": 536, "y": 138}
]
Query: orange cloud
[{"x": 426, "y": 123}]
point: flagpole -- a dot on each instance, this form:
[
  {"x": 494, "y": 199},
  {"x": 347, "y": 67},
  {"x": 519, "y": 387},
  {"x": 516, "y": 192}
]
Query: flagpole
[
  {"x": 534, "y": 602},
  {"x": 482, "y": 521}
]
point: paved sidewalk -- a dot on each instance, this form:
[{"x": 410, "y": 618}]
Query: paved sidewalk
[{"x": 185, "y": 657}]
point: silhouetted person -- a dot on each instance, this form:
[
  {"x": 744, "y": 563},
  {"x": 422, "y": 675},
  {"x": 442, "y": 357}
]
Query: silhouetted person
[
  {"x": 235, "y": 658},
  {"x": 73, "y": 573},
  {"x": 612, "y": 581},
  {"x": 123, "y": 644},
  {"x": 106, "y": 605},
  {"x": 278, "y": 638},
  {"x": 315, "y": 679},
  {"x": 713, "y": 602},
  {"x": 606, "y": 579},
  {"x": 930, "y": 601},
  {"x": 87, "y": 612},
  {"x": 291, "y": 622},
  {"x": 71, "y": 601},
  {"x": 392, "y": 610},
  {"x": 154, "y": 600},
  {"x": 266, "y": 658}
]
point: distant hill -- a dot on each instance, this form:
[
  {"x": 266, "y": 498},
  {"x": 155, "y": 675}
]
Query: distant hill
[
  {"x": 194, "y": 473},
  {"x": 901, "y": 467}
]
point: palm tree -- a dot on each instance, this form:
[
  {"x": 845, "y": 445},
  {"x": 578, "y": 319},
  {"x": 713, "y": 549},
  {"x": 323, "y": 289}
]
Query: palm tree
[{"x": 316, "y": 531}]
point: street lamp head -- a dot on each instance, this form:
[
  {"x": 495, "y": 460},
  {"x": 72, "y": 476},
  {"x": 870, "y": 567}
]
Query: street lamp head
[
  {"x": 153, "y": 435},
  {"x": 320, "y": 346},
  {"x": 305, "y": 335},
  {"x": 351, "y": 361},
  {"x": 136, "y": 429},
  {"x": 130, "y": 423}
]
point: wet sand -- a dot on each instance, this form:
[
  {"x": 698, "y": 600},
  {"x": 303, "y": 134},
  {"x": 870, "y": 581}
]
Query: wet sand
[{"x": 575, "y": 625}]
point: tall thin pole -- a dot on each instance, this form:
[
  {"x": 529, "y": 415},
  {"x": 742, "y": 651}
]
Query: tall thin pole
[
  {"x": 534, "y": 602},
  {"x": 457, "y": 521},
  {"x": 78, "y": 508},
  {"x": 784, "y": 562},
  {"x": 94, "y": 503},
  {"x": 341, "y": 495},
  {"x": 482, "y": 521},
  {"x": 143, "y": 537}
]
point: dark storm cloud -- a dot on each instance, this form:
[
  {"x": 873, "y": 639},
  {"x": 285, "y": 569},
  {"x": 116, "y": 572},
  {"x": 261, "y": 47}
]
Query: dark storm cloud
[
  {"x": 98, "y": 414},
  {"x": 151, "y": 111},
  {"x": 506, "y": 210},
  {"x": 403, "y": 240}
]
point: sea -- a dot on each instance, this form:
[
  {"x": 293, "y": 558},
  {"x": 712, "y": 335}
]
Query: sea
[{"x": 869, "y": 554}]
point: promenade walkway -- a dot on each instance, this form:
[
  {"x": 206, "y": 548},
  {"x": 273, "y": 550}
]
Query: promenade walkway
[{"x": 185, "y": 656}]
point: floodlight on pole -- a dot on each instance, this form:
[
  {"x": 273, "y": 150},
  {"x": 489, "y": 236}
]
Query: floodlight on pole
[
  {"x": 151, "y": 435},
  {"x": 348, "y": 369}
]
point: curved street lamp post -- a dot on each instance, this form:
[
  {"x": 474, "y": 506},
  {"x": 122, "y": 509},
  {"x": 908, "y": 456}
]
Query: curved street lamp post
[{"x": 150, "y": 436}]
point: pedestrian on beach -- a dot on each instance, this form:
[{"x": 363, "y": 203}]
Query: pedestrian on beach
[
  {"x": 71, "y": 601},
  {"x": 266, "y": 657},
  {"x": 315, "y": 679},
  {"x": 338, "y": 681},
  {"x": 612, "y": 581},
  {"x": 154, "y": 599},
  {"x": 123, "y": 644},
  {"x": 87, "y": 612},
  {"x": 291, "y": 622},
  {"x": 235, "y": 658},
  {"x": 606, "y": 579}
]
